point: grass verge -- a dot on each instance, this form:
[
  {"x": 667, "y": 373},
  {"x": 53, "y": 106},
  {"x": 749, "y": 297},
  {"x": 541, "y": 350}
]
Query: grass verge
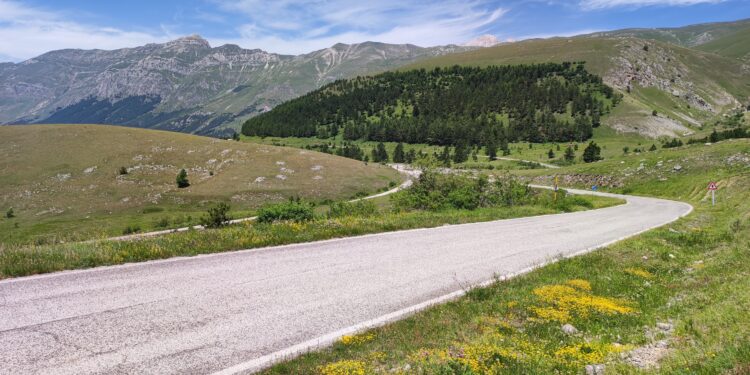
[{"x": 29, "y": 260}]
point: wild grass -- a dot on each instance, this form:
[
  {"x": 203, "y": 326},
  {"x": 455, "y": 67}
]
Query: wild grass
[
  {"x": 18, "y": 261},
  {"x": 64, "y": 182}
]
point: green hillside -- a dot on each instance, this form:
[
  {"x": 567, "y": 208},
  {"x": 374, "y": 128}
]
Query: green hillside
[
  {"x": 687, "y": 88},
  {"x": 64, "y": 181},
  {"x": 735, "y": 44}
]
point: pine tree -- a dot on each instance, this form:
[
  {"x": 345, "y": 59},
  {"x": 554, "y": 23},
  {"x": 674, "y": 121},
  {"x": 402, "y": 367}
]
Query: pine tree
[
  {"x": 491, "y": 149},
  {"x": 653, "y": 147},
  {"x": 445, "y": 156},
  {"x": 592, "y": 153},
  {"x": 460, "y": 153},
  {"x": 411, "y": 156},
  {"x": 570, "y": 155},
  {"x": 398, "y": 154},
  {"x": 10, "y": 213},
  {"x": 182, "y": 180},
  {"x": 551, "y": 154},
  {"x": 379, "y": 154}
]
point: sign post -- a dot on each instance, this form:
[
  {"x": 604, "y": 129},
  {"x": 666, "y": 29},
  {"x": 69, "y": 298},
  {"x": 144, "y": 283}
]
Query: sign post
[
  {"x": 556, "y": 188},
  {"x": 712, "y": 187}
]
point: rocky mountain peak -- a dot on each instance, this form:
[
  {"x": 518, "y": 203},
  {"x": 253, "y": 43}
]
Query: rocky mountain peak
[
  {"x": 486, "y": 40},
  {"x": 190, "y": 40}
]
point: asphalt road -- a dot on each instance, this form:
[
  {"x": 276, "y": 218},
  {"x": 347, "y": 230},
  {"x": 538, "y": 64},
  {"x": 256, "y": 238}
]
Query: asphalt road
[{"x": 233, "y": 311}]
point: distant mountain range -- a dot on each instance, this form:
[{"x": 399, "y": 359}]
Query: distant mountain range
[
  {"x": 690, "y": 74},
  {"x": 183, "y": 85}
]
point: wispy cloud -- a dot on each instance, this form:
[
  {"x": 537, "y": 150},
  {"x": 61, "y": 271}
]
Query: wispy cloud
[
  {"x": 313, "y": 24},
  {"x": 605, "y": 4},
  {"x": 29, "y": 31}
]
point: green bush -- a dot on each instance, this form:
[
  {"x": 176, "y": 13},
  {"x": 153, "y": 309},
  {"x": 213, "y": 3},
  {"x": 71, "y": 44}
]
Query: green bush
[
  {"x": 363, "y": 208},
  {"x": 436, "y": 191},
  {"x": 162, "y": 223},
  {"x": 130, "y": 229},
  {"x": 217, "y": 216},
  {"x": 182, "y": 179},
  {"x": 565, "y": 202},
  {"x": 293, "y": 210}
]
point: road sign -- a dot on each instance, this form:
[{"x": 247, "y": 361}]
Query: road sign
[
  {"x": 712, "y": 186},
  {"x": 594, "y": 188}
]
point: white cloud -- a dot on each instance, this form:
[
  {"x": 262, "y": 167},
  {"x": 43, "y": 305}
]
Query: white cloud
[
  {"x": 300, "y": 26},
  {"x": 26, "y": 32},
  {"x": 604, "y": 4}
]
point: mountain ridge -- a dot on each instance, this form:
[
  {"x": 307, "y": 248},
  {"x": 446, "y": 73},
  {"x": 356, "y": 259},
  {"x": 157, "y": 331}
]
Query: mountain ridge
[{"x": 184, "y": 84}]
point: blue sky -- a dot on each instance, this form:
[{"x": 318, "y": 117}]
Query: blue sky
[{"x": 31, "y": 27}]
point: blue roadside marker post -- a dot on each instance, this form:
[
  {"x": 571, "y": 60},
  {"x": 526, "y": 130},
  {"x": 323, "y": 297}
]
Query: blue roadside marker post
[{"x": 594, "y": 188}]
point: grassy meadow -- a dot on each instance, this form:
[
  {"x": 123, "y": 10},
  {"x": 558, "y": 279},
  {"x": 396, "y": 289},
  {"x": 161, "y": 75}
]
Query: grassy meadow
[{"x": 63, "y": 182}]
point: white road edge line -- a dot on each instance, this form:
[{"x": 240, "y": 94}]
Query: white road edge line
[{"x": 266, "y": 361}]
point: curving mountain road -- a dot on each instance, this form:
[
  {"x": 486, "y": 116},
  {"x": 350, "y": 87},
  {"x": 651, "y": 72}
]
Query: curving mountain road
[{"x": 239, "y": 311}]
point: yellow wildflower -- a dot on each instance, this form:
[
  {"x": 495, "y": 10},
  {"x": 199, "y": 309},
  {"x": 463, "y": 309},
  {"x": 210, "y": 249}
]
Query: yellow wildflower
[
  {"x": 639, "y": 272},
  {"x": 357, "y": 339},
  {"x": 561, "y": 302},
  {"x": 346, "y": 367},
  {"x": 579, "y": 284}
]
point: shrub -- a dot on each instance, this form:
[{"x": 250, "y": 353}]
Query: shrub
[
  {"x": 217, "y": 216},
  {"x": 123, "y": 171},
  {"x": 295, "y": 210},
  {"x": 10, "y": 213},
  {"x": 130, "y": 229},
  {"x": 363, "y": 208},
  {"x": 182, "y": 180},
  {"x": 162, "y": 223},
  {"x": 435, "y": 191}
]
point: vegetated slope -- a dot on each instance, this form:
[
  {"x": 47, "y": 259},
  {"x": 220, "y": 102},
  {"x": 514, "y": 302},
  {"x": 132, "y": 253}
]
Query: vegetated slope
[
  {"x": 728, "y": 39},
  {"x": 685, "y": 87},
  {"x": 184, "y": 85},
  {"x": 735, "y": 44},
  {"x": 458, "y": 105},
  {"x": 60, "y": 178}
]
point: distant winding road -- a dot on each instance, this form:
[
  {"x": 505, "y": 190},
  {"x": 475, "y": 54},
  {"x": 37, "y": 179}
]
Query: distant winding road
[{"x": 239, "y": 311}]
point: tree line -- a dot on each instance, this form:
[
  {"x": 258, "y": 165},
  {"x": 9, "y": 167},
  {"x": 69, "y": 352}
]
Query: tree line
[{"x": 488, "y": 106}]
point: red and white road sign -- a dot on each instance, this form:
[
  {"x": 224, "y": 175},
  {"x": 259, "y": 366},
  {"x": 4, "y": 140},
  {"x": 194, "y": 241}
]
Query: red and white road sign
[{"x": 712, "y": 186}]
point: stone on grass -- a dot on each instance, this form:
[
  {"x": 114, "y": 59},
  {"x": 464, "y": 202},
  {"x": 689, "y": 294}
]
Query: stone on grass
[
  {"x": 595, "y": 369},
  {"x": 569, "y": 329}
]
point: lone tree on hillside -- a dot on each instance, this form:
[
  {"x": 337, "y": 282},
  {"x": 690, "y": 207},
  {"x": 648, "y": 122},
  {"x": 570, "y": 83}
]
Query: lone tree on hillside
[
  {"x": 592, "y": 153},
  {"x": 123, "y": 171},
  {"x": 182, "y": 180},
  {"x": 398, "y": 154},
  {"x": 570, "y": 155},
  {"x": 653, "y": 147},
  {"x": 10, "y": 214},
  {"x": 551, "y": 154}
]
